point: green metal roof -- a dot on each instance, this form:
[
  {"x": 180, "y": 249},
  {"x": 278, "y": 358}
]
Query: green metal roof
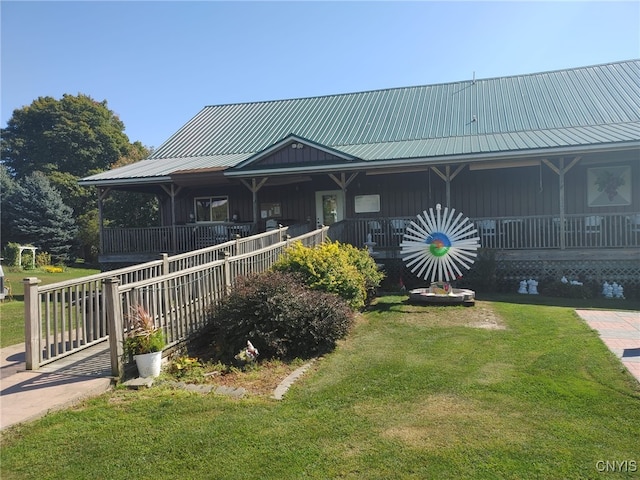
[{"x": 574, "y": 108}]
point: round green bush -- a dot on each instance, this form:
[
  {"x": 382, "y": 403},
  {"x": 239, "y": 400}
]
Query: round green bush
[{"x": 335, "y": 268}]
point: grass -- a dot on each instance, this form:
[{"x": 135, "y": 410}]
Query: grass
[
  {"x": 499, "y": 390},
  {"x": 12, "y": 309}
]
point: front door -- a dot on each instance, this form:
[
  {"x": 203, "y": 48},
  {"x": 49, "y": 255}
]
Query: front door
[{"x": 329, "y": 207}]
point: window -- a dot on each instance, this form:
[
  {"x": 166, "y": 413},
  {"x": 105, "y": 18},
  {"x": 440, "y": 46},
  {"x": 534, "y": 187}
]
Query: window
[{"x": 211, "y": 209}]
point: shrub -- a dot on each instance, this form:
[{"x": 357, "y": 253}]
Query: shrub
[
  {"x": 482, "y": 276},
  {"x": 280, "y": 316},
  {"x": 12, "y": 254},
  {"x": 27, "y": 260},
  {"x": 556, "y": 288},
  {"x": 334, "y": 268},
  {"x": 366, "y": 265},
  {"x": 186, "y": 368},
  {"x": 43, "y": 259}
]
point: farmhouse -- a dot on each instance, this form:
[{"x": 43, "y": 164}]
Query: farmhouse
[{"x": 547, "y": 165}]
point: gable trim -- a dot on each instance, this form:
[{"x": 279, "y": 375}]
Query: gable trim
[{"x": 296, "y": 140}]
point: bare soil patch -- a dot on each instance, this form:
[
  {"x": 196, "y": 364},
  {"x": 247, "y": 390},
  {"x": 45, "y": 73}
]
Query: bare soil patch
[{"x": 481, "y": 315}]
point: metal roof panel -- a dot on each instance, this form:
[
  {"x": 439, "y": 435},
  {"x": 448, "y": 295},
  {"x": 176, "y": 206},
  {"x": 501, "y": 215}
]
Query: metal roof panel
[{"x": 581, "y": 106}]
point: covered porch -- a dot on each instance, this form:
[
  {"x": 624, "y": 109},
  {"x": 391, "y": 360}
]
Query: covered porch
[
  {"x": 575, "y": 231},
  {"x": 548, "y": 232}
]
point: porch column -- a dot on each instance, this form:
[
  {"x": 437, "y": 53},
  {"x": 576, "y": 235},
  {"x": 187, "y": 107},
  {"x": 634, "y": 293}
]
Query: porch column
[
  {"x": 254, "y": 187},
  {"x": 102, "y": 194},
  {"x": 447, "y": 176},
  {"x": 172, "y": 192},
  {"x": 560, "y": 171},
  {"x": 343, "y": 182}
]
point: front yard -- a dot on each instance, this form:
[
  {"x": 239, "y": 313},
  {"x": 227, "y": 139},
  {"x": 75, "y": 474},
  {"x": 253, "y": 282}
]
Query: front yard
[
  {"x": 12, "y": 308},
  {"x": 499, "y": 390}
]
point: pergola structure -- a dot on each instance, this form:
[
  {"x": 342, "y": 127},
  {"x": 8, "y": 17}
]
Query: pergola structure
[{"x": 33, "y": 255}]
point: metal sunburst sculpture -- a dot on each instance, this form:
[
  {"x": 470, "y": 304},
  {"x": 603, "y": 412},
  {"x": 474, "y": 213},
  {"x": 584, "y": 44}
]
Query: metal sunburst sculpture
[{"x": 437, "y": 246}]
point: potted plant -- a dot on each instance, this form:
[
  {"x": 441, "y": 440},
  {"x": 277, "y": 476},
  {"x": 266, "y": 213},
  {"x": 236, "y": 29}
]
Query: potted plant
[{"x": 145, "y": 343}]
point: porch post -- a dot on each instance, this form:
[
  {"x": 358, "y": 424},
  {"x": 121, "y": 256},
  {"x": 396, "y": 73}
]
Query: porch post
[
  {"x": 448, "y": 177},
  {"x": 343, "y": 182},
  {"x": 563, "y": 240},
  {"x": 173, "y": 219},
  {"x": 254, "y": 187},
  {"x": 561, "y": 170},
  {"x": 254, "y": 201},
  {"x": 102, "y": 194},
  {"x": 31, "y": 323},
  {"x": 172, "y": 192},
  {"x": 116, "y": 328}
]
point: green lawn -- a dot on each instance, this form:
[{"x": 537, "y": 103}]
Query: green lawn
[
  {"x": 12, "y": 310},
  {"x": 499, "y": 390}
]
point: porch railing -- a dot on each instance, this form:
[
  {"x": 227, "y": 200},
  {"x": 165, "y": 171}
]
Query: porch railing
[
  {"x": 175, "y": 239},
  {"x": 65, "y": 317},
  {"x": 534, "y": 232}
]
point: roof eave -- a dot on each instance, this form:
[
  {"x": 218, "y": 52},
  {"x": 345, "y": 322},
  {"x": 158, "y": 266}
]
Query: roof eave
[
  {"x": 441, "y": 160},
  {"x": 112, "y": 182}
]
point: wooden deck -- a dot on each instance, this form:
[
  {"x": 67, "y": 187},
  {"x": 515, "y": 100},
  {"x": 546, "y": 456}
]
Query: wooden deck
[{"x": 507, "y": 233}]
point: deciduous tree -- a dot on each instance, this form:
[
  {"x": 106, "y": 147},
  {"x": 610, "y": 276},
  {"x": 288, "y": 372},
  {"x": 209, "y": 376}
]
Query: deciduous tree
[{"x": 75, "y": 135}]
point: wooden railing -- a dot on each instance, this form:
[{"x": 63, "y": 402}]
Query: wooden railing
[
  {"x": 175, "y": 239},
  {"x": 65, "y": 317},
  {"x": 535, "y": 232}
]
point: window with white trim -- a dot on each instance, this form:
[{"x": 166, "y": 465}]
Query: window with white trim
[{"x": 211, "y": 209}]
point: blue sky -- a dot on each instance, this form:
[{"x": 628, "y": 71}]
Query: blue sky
[{"x": 157, "y": 64}]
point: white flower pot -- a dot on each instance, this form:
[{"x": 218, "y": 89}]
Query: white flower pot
[{"x": 149, "y": 364}]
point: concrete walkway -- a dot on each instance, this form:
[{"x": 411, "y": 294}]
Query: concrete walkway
[
  {"x": 620, "y": 331},
  {"x": 26, "y": 395}
]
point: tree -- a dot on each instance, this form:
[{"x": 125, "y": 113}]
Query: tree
[
  {"x": 69, "y": 139},
  {"x": 131, "y": 209},
  {"x": 7, "y": 187},
  {"x": 76, "y": 135},
  {"x": 38, "y": 216}
]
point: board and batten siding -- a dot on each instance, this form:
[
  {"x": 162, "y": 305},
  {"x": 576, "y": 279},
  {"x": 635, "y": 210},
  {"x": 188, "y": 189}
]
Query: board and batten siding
[{"x": 505, "y": 192}]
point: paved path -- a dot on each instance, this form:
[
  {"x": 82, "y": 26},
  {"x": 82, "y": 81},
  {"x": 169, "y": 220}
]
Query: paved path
[
  {"x": 26, "y": 395},
  {"x": 620, "y": 331}
]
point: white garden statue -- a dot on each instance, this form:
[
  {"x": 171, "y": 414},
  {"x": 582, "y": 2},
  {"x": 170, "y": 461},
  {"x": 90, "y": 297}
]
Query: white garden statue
[{"x": 523, "y": 287}]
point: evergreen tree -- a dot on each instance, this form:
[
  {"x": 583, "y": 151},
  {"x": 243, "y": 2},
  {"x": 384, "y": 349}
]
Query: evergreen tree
[
  {"x": 38, "y": 216},
  {"x": 7, "y": 187}
]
